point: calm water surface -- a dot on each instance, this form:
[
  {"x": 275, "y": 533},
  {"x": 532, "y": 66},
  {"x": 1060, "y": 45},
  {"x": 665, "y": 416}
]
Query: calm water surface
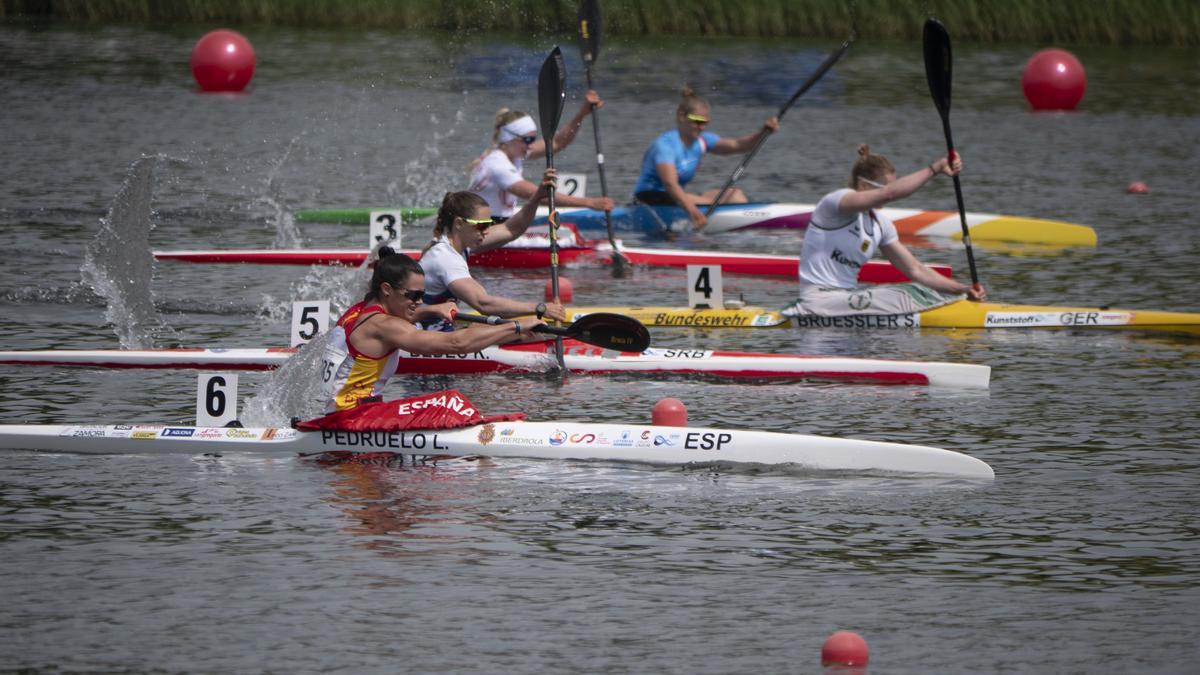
[{"x": 1082, "y": 556}]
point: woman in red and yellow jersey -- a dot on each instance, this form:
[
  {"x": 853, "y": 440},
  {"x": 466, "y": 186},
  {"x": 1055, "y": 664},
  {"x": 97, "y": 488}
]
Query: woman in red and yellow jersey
[{"x": 362, "y": 351}]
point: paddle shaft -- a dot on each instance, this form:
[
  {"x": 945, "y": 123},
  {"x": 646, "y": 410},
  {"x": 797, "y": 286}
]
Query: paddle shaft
[
  {"x": 808, "y": 84},
  {"x": 962, "y": 210},
  {"x": 938, "y": 72},
  {"x": 551, "y": 85},
  {"x": 618, "y": 260}
]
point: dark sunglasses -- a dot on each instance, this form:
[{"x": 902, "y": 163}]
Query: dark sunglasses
[
  {"x": 528, "y": 140},
  {"x": 413, "y": 295}
]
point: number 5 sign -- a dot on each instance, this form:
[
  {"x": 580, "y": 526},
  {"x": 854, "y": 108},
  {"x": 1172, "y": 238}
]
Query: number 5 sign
[
  {"x": 704, "y": 287},
  {"x": 309, "y": 318}
]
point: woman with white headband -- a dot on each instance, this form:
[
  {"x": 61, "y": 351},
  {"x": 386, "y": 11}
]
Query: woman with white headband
[
  {"x": 846, "y": 231},
  {"x": 496, "y": 175}
]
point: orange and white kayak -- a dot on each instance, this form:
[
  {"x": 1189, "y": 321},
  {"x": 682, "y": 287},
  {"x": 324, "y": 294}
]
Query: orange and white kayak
[{"x": 910, "y": 223}]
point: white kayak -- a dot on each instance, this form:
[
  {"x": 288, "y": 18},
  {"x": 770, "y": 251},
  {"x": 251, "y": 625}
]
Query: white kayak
[
  {"x": 538, "y": 356},
  {"x": 641, "y": 444}
]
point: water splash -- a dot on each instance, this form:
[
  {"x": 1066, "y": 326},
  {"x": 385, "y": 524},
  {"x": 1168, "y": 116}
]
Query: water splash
[
  {"x": 426, "y": 178},
  {"x": 272, "y": 206},
  {"x": 294, "y": 390},
  {"x": 119, "y": 265}
]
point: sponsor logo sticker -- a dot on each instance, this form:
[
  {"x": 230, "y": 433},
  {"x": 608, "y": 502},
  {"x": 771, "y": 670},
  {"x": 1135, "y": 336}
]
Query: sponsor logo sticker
[
  {"x": 859, "y": 300},
  {"x": 1043, "y": 319},
  {"x": 178, "y": 432},
  {"x": 559, "y": 437},
  {"x": 88, "y": 431},
  {"x": 241, "y": 434},
  {"x": 488, "y": 433},
  {"x": 143, "y": 435}
]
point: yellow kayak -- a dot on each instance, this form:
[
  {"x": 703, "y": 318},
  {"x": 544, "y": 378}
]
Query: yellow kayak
[{"x": 961, "y": 314}]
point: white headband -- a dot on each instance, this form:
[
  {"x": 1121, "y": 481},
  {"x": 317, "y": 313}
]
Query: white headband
[{"x": 522, "y": 126}]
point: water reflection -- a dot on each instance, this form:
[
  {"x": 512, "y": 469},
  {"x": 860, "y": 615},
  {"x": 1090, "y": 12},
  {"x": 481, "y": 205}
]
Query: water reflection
[{"x": 400, "y": 509}]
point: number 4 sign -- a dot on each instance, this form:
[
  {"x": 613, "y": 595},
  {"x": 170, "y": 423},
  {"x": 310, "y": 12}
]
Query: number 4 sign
[{"x": 704, "y": 287}]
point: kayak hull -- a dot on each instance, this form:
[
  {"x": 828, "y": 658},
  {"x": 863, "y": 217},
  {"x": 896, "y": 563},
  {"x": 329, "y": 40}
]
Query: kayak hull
[
  {"x": 659, "y": 220},
  {"x": 634, "y": 443},
  {"x": 538, "y": 357},
  {"x": 757, "y": 264},
  {"x": 962, "y": 314}
]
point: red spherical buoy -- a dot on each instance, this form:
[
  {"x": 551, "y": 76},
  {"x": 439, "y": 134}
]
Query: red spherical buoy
[
  {"x": 844, "y": 648},
  {"x": 669, "y": 412},
  {"x": 1053, "y": 80},
  {"x": 566, "y": 293},
  {"x": 1137, "y": 187},
  {"x": 223, "y": 60}
]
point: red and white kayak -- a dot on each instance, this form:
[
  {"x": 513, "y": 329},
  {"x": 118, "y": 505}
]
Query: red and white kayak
[
  {"x": 758, "y": 264},
  {"x": 587, "y": 253},
  {"x": 538, "y": 356},
  {"x": 563, "y": 440}
]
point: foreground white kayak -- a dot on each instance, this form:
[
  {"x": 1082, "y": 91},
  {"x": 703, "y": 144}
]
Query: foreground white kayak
[
  {"x": 538, "y": 356},
  {"x": 642, "y": 444}
]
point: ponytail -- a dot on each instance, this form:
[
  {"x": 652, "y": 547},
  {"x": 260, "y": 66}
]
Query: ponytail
[
  {"x": 689, "y": 102},
  {"x": 454, "y": 205},
  {"x": 503, "y": 116},
  {"x": 869, "y": 166}
]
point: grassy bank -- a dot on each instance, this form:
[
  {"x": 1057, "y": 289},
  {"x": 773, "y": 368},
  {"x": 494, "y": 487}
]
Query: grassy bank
[{"x": 1159, "y": 22}]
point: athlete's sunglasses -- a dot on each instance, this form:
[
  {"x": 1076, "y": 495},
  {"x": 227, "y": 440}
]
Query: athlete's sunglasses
[
  {"x": 698, "y": 119},
  {"x": 481, "y": 224},
  {"x": 414, "y": 295}
]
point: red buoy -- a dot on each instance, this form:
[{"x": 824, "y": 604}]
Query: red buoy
[
  {"x": 223, "y": 60},
  {"x": 1137, "y": 187},
  {"x": 1053, "y": 80},
  {"x": 669, "y": 412},
  {"x": 566, "y": 293},
  {"x": 844, "y": 648}
]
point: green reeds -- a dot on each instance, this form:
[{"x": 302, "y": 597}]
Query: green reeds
[{"x": 1159, "y": 22}]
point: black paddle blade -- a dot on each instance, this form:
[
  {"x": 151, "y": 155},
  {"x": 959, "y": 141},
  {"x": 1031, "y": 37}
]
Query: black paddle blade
[
  {"x": 589, "y": 31},
  {"x": 611, "y": 331},
  {"x": 552, "y": 85},
  {"x": 937, "y": 64}
]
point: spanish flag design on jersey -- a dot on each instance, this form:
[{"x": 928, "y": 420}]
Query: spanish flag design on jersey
[{"x": 348, "y": 375}]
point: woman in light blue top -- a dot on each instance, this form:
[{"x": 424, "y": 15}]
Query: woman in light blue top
[{"x": 671, "y": 161}]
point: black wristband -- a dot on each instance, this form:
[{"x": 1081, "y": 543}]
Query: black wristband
[
  {"x": 540, "y": 310},
  {"x": 517, "y": 327}
]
